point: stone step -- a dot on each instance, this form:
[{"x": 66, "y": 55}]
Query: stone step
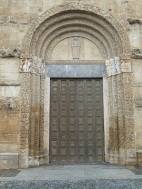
[{"x": 80, "y": 184}]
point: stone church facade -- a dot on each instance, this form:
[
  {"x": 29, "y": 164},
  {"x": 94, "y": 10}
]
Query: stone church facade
[{"x": 70, "y": 82}]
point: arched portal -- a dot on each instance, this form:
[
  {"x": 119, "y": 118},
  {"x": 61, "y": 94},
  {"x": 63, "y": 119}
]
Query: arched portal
[
  {"x": 75, "y": 40},
  {"x": 80, "y": 19}
]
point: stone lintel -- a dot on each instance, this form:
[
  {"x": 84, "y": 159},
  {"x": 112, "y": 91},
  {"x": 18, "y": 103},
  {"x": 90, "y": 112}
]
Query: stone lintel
[
  {"x": 75, "y": 71},
  {"x": 138, "y": 102}
]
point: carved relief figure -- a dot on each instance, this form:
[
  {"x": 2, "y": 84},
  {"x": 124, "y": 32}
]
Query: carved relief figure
[
  {"x": 26, "y": 65},
  {"x": 76, "y": 46}
]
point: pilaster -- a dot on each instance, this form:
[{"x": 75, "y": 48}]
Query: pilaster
[{"x": 121, "y": 147}]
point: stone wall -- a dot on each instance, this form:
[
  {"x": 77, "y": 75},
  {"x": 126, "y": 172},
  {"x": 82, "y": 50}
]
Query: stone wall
[
  {"x": 9, "y": 112},
  {"x": 137, "y": 86}
]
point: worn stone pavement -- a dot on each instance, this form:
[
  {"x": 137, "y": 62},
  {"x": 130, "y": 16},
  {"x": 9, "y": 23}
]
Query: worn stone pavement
[{"x": 73, "y": 177}]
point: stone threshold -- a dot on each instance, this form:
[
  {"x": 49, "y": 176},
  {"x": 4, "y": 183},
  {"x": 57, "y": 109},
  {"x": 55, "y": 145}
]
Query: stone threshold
[
  {"x": 91, "y": 176},
  {"x": 80, "y": 184}
]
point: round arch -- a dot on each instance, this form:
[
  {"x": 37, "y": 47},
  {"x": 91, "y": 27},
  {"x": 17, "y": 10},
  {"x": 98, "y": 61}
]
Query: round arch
[{"x": 76, "y": 17}]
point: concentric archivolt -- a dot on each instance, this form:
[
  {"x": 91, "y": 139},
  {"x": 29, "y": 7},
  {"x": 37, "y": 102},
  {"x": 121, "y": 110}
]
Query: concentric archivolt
[
  {"x": 76, "y": 20},
  {"x": 48, "y": 51}
]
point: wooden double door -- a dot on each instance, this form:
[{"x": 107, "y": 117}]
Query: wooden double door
[{"x": 76, "y": 121}]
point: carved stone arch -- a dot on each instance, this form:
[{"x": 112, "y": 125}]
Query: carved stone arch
[
  {"x": 37, "y": 24},
  {"x": 85, "y": 32},
  {"x": 73, "y": 23},
  {"x": 59, "y": 38}
]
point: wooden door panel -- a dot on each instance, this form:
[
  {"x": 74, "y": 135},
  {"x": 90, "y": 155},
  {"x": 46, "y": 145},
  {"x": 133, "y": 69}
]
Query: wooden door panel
[{"x": 76, "y": 121}]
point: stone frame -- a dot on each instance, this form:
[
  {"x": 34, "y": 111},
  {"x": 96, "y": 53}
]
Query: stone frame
[
  {"x": 46, "y": 92},
  {"x": 33, "y": 149}
]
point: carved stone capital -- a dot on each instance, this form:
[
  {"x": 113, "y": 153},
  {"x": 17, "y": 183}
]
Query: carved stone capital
[
  {"x": 113, "y": 66},
  {"x": 32, "y": 65},
  {"x": 26, "y": 64},
  {"x": 116, "y": 66},
  {"x": 126, "y": 66}
]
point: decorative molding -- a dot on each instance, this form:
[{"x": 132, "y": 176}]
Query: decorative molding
[
  {"x": 137, "y": 53},
  {"x": 80, "y": 34},
  {"x": 9, "y": 53},
  {"x": 126, "y": 67},
  {"x": 9, "y": 84},
  {"x": 117, "y": 28},
  {"x": 136, "y": 84},
  {"x": 73, "y": 62},
  {"x": 134, "y": 21},
  {"x": 87, "y": 25},
  {"x": 138, "y": 102}
]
